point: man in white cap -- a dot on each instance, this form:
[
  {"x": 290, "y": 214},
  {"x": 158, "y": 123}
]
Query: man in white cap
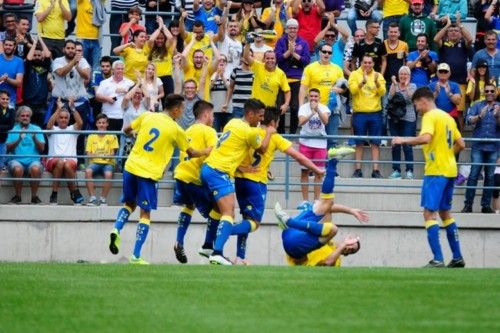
[
  {"x": 292, "y": 55},
  {"x": 447, "y": 93}
]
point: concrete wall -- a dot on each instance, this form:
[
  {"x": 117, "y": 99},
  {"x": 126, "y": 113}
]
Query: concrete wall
[{"x": 38, "y": 233}]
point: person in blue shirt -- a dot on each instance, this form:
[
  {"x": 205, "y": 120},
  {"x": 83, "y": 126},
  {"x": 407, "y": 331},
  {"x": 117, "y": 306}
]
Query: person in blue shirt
[
  {"x": 447, "y": 93},
  {"x": 422, "y": 62},
  {"x": 485, "y": 116},
  {"x": 207, "y": 14},
  {"x": 330, "y": 35},
  {"x": 25, "y": 147}
]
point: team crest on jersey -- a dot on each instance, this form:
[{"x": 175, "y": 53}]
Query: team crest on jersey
[
  {"x": 417, "y": 27},
  {"x": 145, "y": 203},
  {"x": 215, "y": 193},
  {"x": 249, "y": 207}
]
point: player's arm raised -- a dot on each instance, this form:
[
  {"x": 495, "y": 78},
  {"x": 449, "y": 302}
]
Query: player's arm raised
[{"x": 265, "y": 142}]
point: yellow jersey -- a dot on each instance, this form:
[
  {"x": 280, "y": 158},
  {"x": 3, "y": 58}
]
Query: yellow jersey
[
  {"x": 366, "y": 98},
  {"x": 199, "y": 136},
  {"x": 53, "y": 26},
  {"x": 316, "y": 257},
  {"x": 278, "y": 26},
  {"x": 203, "y": 44},
  {"x": 134, "y": 59},
  {"x": 104, "y": 145},
  {"x": 395, "y": 7},
  {"x": 439, "y": 154},
  {"x": 157, "y": 135},
  {"x": 190, "y": 72},
  {"x": 237, "y": 139},
  {"x": 266, "y": 84},
  {"x": 84, "y": 29},
  {"x": 263, "y": 161},
  {"x": 321, "y": 77},
  {"x": 164, "y": 65}
]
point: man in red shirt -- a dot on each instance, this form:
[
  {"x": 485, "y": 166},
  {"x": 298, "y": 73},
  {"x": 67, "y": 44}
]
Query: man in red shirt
[{"x": 309, "y": 16}]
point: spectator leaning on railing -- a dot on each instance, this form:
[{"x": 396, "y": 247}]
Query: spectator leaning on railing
[{"x": 24, "y": 147}]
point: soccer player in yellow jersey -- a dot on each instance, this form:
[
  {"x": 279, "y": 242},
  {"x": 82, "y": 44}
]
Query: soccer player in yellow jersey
[
  {"x": 307, "y": 237},
  {"x": 441, "y": 140},
  {"x": 188, "y": 191},
  {"x": 238, "y": 137},
  {"x": 250, "y": 180},
  {"x": 157, "y": 136}
]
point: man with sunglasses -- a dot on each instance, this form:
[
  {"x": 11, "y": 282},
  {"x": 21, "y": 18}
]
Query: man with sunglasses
[
  {"x": 485, "y": 116},
  {"x": 329, "y": 36},
  {"x": 309, "y": 16}
]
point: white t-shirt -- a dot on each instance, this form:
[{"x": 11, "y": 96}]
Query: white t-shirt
[
  {"x": 70, "y": 85},
  {"x": 232, "y": 49},
  {"x": 313, "y": 127},
  {"x": 108, "y": 87},
  {"x": 152, "y": 92},
  {"x": 62, "y": 144},
  {"x": 131, "y": 113},
  {"x": 258, "y": 51}
]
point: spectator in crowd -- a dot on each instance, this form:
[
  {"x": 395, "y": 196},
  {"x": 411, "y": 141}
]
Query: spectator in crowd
[
  {"x": 397, "y": 51},
  {"x": 97, "y": 78},
  {"x": 490, "y": 53},
  {"x": 12, "y": 69},
  {"x": 36, "y": 84},
  {"x": 393, "y": 11},
  {"x": 371, "y": 45},
  {"x": 405, "y": 125},
  {"x": 258, "y": 46},
  {"x": 190, "y": 90},
  {"x": 187, "y": 7},
  {"x": 309, "y": 16},
  {"x": 248, "y": 17},
  {"x": 62, "y": 159},
  {"x": 334, "y": 7},
  {"x": 133, "y": 105},
  {"x": 219, "y": 85},
  {"x": 363, "y": 10},
  {"x": 134, "y": 54},
  {"x": 367, "y": 88},
  {"x": 229, "y": 44},
  {"x": 160, "y": 50},
  {"x": 422, "y": 62},
  {"x": 416, "y": 23},
  {"x": 87, "y": 32},
  {"x": 116, "y": 20},
  {"x": 485, "y": 116},
  {"x": 492, "y": 16},
  {"x": 151, "y": 20},
  {"x": 452, "y": 10},
  {"x": 24, "y": 41},
  {"x": 329, "y": 35},
  {"x": 447, "y": 93},
  {"x": 240, "y": 88},
  {"x": 313, "y": 116},
  {"x": 23, "y": 147},
  {"x": 178, "y": 41},
  {"x": 7, "y": 120},
  {"x": 50, "y": 15},
  {"x": 430, "y": 8},
  {"x": 208, "y": 13},
  {"x": 268, "y": 80},
  {"x": 9, "y": 28},
  {"x": 152, "y": 87},
  {"x": 292, "y": 53},
  {"x": 111, "y": 92},
  {"x": 99, "y": 147},
  {"x": 454, "y": 44},
  {"x": 201, "y": 40},
  {"x": 475, "y": 85},
  {"x": 275, "y": 17},
  {"x": 128, "y": 28},
  {"x": 358, "y": 35}
]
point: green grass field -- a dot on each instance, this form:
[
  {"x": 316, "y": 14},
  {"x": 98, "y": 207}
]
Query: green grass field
[{"x": 44, "y": 297}]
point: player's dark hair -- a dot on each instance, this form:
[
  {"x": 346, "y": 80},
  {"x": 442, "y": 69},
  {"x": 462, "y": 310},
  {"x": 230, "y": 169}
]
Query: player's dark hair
[
  {"x": 253, "y": 105},
  {"x": 173, "y": 101},
  {"x": 200, "y": 106},
  {"x": 101, "y": 116},
  {"x": 271, "y": 113},
  {"x": 423, "y": 92}
]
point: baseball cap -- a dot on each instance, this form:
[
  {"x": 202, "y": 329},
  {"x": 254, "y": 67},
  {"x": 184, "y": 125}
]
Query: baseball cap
[
  {"x": 481, "y": 63},
  {"x": 417, "y": 1},
  {"x": 292, "y": 23},
  {"x": 443, "y": 67}
]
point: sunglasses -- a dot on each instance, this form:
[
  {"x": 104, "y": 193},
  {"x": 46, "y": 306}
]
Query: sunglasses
[
  {"x": 443, "y": 71},
  {"x": 488, "y": 91},
  {"x": 329, "y": 36},
  {"x": 306, "y": 0},
  {"x": 326, "y": 52}
]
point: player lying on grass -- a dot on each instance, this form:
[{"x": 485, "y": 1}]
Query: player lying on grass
[{"x": 307, "y": 237}]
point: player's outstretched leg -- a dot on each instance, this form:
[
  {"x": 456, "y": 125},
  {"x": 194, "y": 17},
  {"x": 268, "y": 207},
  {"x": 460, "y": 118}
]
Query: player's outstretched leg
[
  {"x": 452, "y": 234},
  {"x": 114, "y": 236},
  {"x": 182, "y": 225},
  {"x": 141, "y": 236}
]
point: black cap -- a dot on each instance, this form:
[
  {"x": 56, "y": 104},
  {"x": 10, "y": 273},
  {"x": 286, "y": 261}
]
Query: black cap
[{"x": 481, "y": 63}]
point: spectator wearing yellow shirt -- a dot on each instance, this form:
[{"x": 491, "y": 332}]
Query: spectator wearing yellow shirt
[
  {"x": 88, "y": 33},
  {"x": 134, "y": 54},
  {"x": 268, "y": 80},
  {"x": 367, "y": 88},
  {"x": 202, "y": 41},
  {"x": 50, "y": 15},
  {"x": 275, "y": 18},
  {"x": 99, "y": 147}
]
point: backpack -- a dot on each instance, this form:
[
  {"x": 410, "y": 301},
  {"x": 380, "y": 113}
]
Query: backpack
[{"x": 396, "y": 107}]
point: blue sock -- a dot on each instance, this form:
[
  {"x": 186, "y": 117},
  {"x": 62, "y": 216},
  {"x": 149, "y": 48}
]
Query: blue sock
[
  {"x": 311, "y": 227},
  {"x": 182, "y": 224},
  {"x": 122, "y": 218},
  {"x": 223, "y": 233},
  {"x": 452, "y": 235},
  {"x": 244, "y": 227},
  {"x": 329, "y": 179},
  {"x": 212, "y": 226},
  {"x": 140, "y": 236},
  {"x": 241, "y": 246},
  {"x": 433, "y": 239}
]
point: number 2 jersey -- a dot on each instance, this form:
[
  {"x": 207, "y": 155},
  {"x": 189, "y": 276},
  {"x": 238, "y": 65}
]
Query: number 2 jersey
[
  {"x": 439, "y": 154},
  {"x": 157, "y": 136}
]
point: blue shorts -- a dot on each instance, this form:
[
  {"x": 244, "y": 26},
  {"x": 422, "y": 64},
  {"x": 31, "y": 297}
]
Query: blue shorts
[
  {"x": 367, "y": 123},
  {"x": 297, "y": 243},
  {"x": 217, "y": 182},
  {"x": 251, "y": 197},
  {"x": 308, "y": 215},
  {"x": 140, "y": 190},
  {"x": 26, "y": 166},
  {"x": 437, "y": 193},
  {"x": 100, "y": 169},
  {"x": 193, "y": 195}
]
